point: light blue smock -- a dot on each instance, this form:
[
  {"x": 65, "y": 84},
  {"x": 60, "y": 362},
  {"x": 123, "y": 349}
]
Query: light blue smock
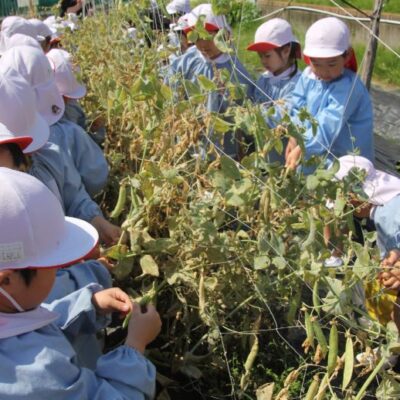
[
  {"x": 70, "y": 279},
  {"x": 52, "y": 166},
  {"x": 343, "y": 111},
  {"x": 74, "y": 113},
  {"x": 387, "y": 223},
  {"x": 41, "y": 364},
  {"x": 84, "y": 153}
]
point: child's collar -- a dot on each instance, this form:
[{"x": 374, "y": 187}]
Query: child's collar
[{"x": 13, "y": 324}]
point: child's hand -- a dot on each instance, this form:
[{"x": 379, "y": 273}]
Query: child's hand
[
  {"x": 392, "y": 258},
  {"x": 390, "y": 278},
  {"x": 293, "y": 159},
  {"x": 107, "y": 263},
  {"x": 108, "y": 232},
  {"x": 143, "y": 327},
  {"x": 112, "y": 300},
  {"x": 292, "y": 143}
]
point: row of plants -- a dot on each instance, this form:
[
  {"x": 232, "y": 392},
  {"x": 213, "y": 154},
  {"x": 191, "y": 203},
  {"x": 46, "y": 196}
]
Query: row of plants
[{"x": 231, "y": 252}]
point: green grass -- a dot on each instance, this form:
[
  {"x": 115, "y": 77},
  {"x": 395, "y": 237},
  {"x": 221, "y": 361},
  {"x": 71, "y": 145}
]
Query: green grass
[{"x": 391, "y": 6}]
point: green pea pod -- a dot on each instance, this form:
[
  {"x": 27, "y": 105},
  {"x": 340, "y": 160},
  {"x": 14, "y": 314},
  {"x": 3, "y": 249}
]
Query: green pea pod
[
  {"x": 333, "y": 349},
  {"x": 315, "y": 296},
  {"x": 119, "y": 207},
  {"x": 309, "y": 329},
  {"x": 313, "y": 388},
  {"x": 348, "y": 363},
  {"x": 320, "y": 337}
]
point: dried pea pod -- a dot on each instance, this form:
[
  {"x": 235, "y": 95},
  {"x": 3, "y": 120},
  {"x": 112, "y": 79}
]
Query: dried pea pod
[
  {"x": 333, "y": 349},
  {"x": 249, "y": 363},
  {"x": 319, "y": 334},
  {"x": 120, "y": 202},
  {"x": 313, "y": 388},
  {"x": 348, "y": 362}
]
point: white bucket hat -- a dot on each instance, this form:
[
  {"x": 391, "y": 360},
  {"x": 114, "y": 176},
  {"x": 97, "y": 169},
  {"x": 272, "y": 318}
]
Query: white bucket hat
[
  {"x": 328, "y": 37},
  {"x": 379, "y": 186},
  {"x": 42, "y": 30},
  {"x": 178, "y": 7},
  {"x": 272, "y": 34},
  {"x": 21, "y": 40},
  {"x": 18, "y": 109},
  {"x": 35, "y": 67},
  {"x": 212, "y": 23},
  {"x": 26, "y": 237},
  {"x": 6, "y": 136},
  {"x": 66, "y": 81},
  {"x": 13, "y": 25}
]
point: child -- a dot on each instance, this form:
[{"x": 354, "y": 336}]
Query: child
[
  {"x": 50, "y": 164},
  {"x": 36, "y": 360},
  {"x": 71, "y": 91},
  {"x": 208, "y": 60},
  {"x": 383, "y": 193},
  {"x": 333, "y": 95},
  {"x": 278, "y": 50},
  {"x": 43, "y": 33}
]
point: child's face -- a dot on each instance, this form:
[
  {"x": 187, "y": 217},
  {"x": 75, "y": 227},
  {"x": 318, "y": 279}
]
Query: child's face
[
  {"x": 275, "y": 62},
  {"x": 208, "y": 48},
  {"x": 328, "y": 69},
  {"x": 6, "y": 158},
  {"x": 31, "y": 296}
]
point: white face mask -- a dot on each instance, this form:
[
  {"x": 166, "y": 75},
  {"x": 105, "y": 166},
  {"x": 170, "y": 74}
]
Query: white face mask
[
  {"x": 11, "y": 300},
  {"x": 13, "y": 324}
]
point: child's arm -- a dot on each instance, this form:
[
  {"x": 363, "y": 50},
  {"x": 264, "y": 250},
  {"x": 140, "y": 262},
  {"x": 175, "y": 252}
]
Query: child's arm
[{"x": 77, "y": 276}]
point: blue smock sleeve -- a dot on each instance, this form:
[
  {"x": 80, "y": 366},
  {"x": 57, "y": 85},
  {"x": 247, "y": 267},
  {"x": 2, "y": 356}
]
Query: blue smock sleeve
[
  {"x": 77, "y": 276},
  {"x": 77, "y": 313},
  {"x": 75, "y": 199},
  {"x": 387, "y": 223},
  {"x": 87, "y": 156},
  {"x": 42, "y": 365}
]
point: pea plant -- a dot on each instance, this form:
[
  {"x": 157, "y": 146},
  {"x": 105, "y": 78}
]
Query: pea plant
[{"x": 231, "y": 252}]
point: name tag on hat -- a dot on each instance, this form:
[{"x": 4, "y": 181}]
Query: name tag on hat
[{"x": 11, "y": 252}]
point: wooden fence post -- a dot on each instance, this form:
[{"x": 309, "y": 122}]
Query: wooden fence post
[{"x": 372, "y": 47}]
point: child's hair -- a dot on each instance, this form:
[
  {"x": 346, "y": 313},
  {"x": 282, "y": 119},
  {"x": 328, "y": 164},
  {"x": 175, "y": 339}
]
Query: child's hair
[
  {"x": 293, "y": 55},
  {"x": 27, "y": 275},
  {"x": 18, "y": 156}
]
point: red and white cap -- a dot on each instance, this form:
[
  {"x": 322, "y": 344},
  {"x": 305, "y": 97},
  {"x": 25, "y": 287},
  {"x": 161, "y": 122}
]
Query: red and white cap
[
  {"x": 66, "y": 81},
  {"x": 328, "y": 37},
  {"x": 379, "y": 186},
  {"x": 26, "y": 237},
  {"x": 22, "y": 40},
  {"x": 212, "y": 23},
  {"x": 35, "y": 67},
  {"x": 178, "y": 7},
  {"x": 6, "y": 136},
  {"x": 271, "y": 35},
  {"x": 18, "y": 109},
  {"x": 182, "y": 23}
]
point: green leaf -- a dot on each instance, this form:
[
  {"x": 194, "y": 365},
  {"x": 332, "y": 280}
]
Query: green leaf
[
  {"x": 205, "y": 83},
  {"x": 261, "y": 262},
  {"x": 312, "y": 182},
  {"x": 221, "y": 126},
  {"x": 149, "y": 266},
  {"x": 229, "y": 168},
  {"x": 221, "y": 42}
]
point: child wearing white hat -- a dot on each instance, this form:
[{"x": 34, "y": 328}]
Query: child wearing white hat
[
  {"x": 17, "y": 97},
  {"x": 66, "y": 154},
  {"x": 43, "y": 33},
  {"x": 278, "y": 50},
  {"x": 71, "y": 91},
  {"x": 36, "y": 359},
  {"x": 334, "y": 96},
  {"x": 381, "y": 203},
  {"x": 207, "y": 60}
]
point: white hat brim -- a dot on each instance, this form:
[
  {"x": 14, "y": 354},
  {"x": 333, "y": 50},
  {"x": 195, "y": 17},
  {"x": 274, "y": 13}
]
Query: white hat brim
[
  {"x": 78, "y": 93},
  {"x": 49, "y": 97},
  {"x": 317, "y": 52},
  {"x": 79, "y": 239},
  {"x": 40, "y": 132}
]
